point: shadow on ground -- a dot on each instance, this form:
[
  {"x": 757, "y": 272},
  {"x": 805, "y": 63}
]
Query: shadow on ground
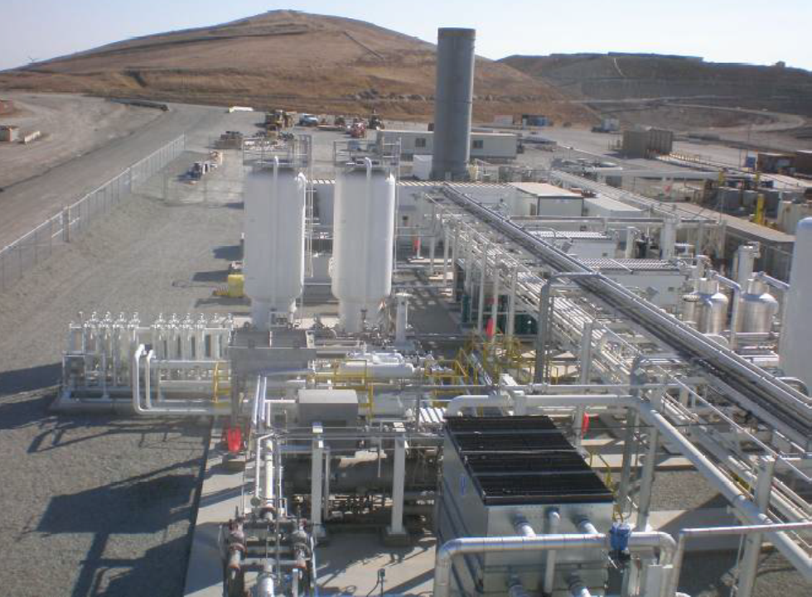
[{"x": 143, "y": 504}]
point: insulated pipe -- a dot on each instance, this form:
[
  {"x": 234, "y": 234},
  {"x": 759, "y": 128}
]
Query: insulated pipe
[
  {"x": 772, "y": 401},
  {"x": 685, "y": 534},
  {"x": 553, "y": 524},
  {"x": 473, "y": 401},
  {"x": 735, "y": 322},
  {"x": 523, "y": 528},
  {"x": 163, "y": 410},
  {"x": 477, "y": 545},
  {"x": 586, "y": 527},
  {"x": 770, "y": 281},
  {"x": 516, "y": 589},
  {"x": 791, "y": 550},
  {"x": 555, "y": 400},
  {"x": 578, "y": 588}
]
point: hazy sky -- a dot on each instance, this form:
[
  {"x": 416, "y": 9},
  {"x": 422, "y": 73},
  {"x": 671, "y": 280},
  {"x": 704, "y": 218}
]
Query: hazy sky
[{"x": 720, "y": 30}]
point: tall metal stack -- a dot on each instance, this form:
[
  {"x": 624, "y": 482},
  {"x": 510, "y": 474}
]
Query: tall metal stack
[{"x": 453, "y": 100}]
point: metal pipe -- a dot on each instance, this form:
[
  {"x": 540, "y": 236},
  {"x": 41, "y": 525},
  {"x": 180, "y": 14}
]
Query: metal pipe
[
  {"x": 740, "y": 502},
  {"x": 472, "y": 401},
  {"x": 685, "y": 534},
  {"x": 647, "y": 480},
  {"x": 553, "y": 524},
  {"x": 523, "y": 528},
  {"x": 578, "y": 588},
  {"x": 728, "y": 488},
  {"x": 735, "y": 323},
  {"x": 770, "y": 281},
  {"x": 772, "y": 401},
  {"x": 533, "y": 401},
  {"x": 477, "y": 545},
  {"x": 586, "y": 527},
  {"x": 516, "y": 589},
  {"x": 748, "y": 564}
]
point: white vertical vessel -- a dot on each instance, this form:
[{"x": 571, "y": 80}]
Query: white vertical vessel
[
  {"x": 796, "y": 331},
  {"x": 363, "y": 230},
  {"x": 274, "y": 241}
]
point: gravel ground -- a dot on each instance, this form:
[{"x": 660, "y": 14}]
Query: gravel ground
[
  {"x": 106, "y": 502},
  {"x": 71, "y": 125}
]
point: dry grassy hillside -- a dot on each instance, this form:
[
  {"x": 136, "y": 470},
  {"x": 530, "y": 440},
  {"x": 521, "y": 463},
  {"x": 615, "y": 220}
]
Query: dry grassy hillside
[
  {"x": 625, "y": 76},
  {"x": 292, "y": 60}
]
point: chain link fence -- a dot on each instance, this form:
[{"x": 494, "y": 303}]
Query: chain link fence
[{"x": 39, "y": 244}]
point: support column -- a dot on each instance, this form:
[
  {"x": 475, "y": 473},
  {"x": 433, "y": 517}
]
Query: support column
[
  {"x": 748, "y": 566},
  {"x": 628, "y": 252},
  {"x": 511, "y": 315},
  {"x": 325, "y": 510},
  {"x": 542, "y": 335},
  {"x": 316, "y": 480},
  {"x": 647, "y": 481},
  {"x": 432, "y": 249},
  {"x": 483, "y": 278},
  {"x": 629, "y": 445},
  {"x": 495, "y": 297},
  {"x": 395, "y": 533},
  {"x": 445, "y": 256},
  {"x": 585, "y": 358}
]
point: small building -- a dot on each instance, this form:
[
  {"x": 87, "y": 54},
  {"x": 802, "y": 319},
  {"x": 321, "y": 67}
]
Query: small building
[
  {"x": 646, "y": 142},
  {"x": 803, "y": 161},
  {"x": 492, "y": 147},
  {"x": 9, "y": 134},
  {"x": 606, "y": 207},
  {"x": 534, "y": 120},
  {"x": 774, "y": 163},
  {"x": 543, "y": 199}
]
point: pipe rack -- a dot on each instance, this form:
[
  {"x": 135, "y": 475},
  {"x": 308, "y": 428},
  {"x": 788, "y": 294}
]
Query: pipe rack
[{"x": 784, "y": 408}]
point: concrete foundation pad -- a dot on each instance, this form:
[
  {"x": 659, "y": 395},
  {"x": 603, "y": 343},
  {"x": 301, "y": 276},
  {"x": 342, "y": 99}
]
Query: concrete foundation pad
[{"x": 219, "y": 497}]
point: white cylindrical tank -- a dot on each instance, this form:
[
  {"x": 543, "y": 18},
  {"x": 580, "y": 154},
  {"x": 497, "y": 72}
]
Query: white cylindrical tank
[
  {"x": 706, "y": 307},
  {"x": 758, "y": 308},
  {"x": 363, "y": 237},
  {"x": 796, "y": 331},
  {"x": 274, "y": 241}
]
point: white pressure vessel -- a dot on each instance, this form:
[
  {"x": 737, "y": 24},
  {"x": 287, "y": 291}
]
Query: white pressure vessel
[
  {"x": 377, "y": 365},
  {"x": 796, "y": 331},
  {"x": 363, "y": 241},
  {"x": 274, "y": 241}
]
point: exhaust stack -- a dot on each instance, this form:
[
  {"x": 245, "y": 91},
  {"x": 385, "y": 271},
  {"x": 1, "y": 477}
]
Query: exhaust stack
[{"x": 453, "y": 99}]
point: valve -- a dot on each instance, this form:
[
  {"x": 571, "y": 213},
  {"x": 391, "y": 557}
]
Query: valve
[{"x": 619, "y": 536}]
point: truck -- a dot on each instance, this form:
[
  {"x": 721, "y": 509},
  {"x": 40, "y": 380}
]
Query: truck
[{"x": 308, "y": 120}]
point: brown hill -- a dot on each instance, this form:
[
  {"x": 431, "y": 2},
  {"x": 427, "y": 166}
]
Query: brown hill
[
  {"x": 617, "y": 76},
  {"x": 288, "y": 59}
]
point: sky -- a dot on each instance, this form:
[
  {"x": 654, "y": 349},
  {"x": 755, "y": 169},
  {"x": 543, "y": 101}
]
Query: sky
[{"x": 750, "y": 31}]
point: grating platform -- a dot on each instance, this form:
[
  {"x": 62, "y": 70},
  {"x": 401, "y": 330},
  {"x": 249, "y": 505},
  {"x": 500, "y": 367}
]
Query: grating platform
[{"x": 524, "y": 460}]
